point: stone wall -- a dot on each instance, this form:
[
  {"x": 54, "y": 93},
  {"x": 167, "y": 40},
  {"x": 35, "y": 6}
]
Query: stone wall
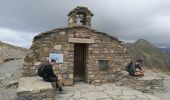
[
  {"x": 105, "y": 48},
  {"x": 56, "y": 41}
]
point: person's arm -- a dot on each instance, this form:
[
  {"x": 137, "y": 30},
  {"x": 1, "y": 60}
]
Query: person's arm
[
  {"x": 140, "y": 68},
  {"x": 50, "y": 71}
]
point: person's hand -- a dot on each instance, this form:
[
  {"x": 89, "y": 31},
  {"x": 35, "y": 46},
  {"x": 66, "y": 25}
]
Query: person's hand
[
  {"x": 143, "y": 70},
  {"x": 59, "y": 77}
]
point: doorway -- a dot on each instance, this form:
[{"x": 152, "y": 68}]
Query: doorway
[{"x": 80, "y": 53}]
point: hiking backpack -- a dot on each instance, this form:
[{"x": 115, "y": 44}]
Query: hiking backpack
[
  {"x": 40, "y": 71},
  {"x": 128, "y": 66}
]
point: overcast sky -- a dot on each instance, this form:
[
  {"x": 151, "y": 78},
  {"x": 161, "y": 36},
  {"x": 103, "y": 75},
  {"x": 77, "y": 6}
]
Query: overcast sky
[{"x": 128, "y": 20}]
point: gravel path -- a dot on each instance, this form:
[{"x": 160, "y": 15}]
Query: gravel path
[{"x": 9, "y": 76}]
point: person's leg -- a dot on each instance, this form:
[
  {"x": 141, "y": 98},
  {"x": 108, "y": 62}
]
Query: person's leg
[
  {"x": 55, "y": 79},
  {"x": 139, "y": 74},
  {"x": 131, "y": 74},
  {"x": 58, "y": 84}
]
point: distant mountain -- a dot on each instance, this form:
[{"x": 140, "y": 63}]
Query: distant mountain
[
  {"x": 152, "y": 56},
  {"x": 9, "y": 52},
  {"x": 166, "y": 50}
]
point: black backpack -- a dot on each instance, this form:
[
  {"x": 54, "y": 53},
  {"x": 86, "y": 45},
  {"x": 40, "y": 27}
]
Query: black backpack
[
  {"x": 40, "y": 71},
  {"x": 128, "y": 66}
]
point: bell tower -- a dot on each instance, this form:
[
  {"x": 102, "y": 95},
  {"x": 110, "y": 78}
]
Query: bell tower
[{"x": 80, "y": 16}]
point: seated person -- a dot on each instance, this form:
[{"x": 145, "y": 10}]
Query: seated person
[
  {"x": 133, "y": 69},
  {"x": 49, "y": 76}
]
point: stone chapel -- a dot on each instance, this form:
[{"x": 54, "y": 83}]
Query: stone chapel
[{"x": 82, "y": 53}]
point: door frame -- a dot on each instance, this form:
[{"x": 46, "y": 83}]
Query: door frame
[{"x": 85, "y": 52}]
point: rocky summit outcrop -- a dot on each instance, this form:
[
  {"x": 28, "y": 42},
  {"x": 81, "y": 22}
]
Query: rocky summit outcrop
[
  {"x": 152, "y": 56},
  {"x": 10, "y": 52}
]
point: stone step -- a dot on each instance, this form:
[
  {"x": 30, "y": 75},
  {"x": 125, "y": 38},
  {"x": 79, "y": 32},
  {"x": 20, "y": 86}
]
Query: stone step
[{"x": 34, "y": 88}]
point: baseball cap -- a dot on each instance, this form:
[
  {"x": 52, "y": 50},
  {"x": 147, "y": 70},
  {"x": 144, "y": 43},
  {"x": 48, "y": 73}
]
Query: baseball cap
[{"x": 52, "y": 60}]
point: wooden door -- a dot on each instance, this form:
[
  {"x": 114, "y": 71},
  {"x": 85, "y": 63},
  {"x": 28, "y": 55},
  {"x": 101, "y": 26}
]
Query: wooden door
[{"x": 79, "y": 61}]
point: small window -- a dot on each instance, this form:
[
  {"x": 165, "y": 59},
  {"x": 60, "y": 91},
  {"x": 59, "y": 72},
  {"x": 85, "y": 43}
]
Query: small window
[{"x": 103, "y": 64}]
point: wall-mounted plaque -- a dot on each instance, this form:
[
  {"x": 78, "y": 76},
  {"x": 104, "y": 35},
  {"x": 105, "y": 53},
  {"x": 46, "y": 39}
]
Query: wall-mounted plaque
[
  {"x": 57, "y": 57},
  {"x": 81, "y": 34}
]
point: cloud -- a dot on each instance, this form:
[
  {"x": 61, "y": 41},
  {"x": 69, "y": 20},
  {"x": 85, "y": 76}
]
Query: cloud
[
  {"x": 17, "y": 38},
  {"x": 128, "y": 20}
]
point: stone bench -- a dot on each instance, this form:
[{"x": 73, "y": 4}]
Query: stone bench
[
  {"x": 34, "y": 88},
  {"x": 147, "y": 84},
  {"x": 154, "y": 82}
]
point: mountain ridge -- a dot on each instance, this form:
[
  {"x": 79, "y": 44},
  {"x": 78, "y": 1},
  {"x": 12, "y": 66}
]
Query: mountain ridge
[
  {"x": 152, "y": 55},
  {"x": 10, "y": 52}
]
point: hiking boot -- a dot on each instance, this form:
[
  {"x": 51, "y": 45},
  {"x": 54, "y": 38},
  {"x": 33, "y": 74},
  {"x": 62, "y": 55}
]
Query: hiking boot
[
  {"x": 62, "y": 92},
  {"x": 59, "y": 89}
]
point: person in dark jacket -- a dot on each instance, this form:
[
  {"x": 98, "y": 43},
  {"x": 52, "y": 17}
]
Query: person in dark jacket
[
  {"x": 133, "y": 69},
  {"x": 49, "y": 75}
]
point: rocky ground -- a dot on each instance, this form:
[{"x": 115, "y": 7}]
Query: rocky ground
[
  {"x": 108, "y": 91},
  {"x": 9, "y": 77},
  {"x": 10, "y": 73},
  {"x": 9, "y": 52},
  {"x": 118, "y": 90}
]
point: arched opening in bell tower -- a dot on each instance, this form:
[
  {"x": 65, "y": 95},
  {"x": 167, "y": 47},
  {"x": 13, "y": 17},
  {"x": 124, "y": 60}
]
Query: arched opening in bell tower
[{"x": 81, "y": 19}]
